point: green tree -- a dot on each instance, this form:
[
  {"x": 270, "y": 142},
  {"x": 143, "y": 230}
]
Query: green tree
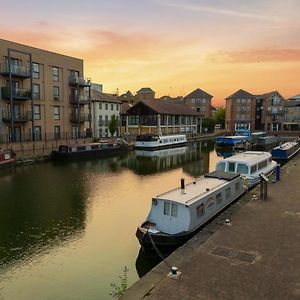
[
  {"x": 220, "y": 116},
  {"x": 113, "y": 125},
  {"x": 208, "y": 125}
]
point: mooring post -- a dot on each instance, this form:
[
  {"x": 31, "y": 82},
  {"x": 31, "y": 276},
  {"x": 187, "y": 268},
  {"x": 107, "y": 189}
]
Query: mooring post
[
  {"x": 261, "y": 188},
  {"x": 277, "y": 172}
]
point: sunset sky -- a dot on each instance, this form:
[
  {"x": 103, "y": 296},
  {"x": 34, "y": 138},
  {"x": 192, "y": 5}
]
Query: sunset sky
[{"x": 172, "y": 46}]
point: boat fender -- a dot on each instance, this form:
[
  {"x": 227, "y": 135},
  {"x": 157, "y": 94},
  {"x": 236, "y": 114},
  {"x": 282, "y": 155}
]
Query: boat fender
[{"x": 246, "y": 183}]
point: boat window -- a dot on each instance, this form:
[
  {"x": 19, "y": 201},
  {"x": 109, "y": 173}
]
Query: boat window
[
  {"x": 220, "y": 167},
  {"x": 167, "y": 206},
  {"x": 200, "y": 210},
  {"x": 262, "y": 164},
  {"x": 219, "y": 198},
  {"x": 242, "y": 168},
  {"x": 93, "y": 147},
  {"x": 174, "y": 210},
  {"x": 253, "y": 169},
  {"x": 81, "y": 148},
  {"x": 270, "y": 159},
  {"x": 228, "y": 193},
  {"x": 237, "y": 186},
  {"x": 231, "y": 167}
]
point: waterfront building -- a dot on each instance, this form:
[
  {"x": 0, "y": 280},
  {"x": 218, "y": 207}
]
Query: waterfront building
[
  {"x": 127, "y": 97},
  {"x": 145, "y": 93},
  {"x": 104, "y": 106},
  {"x": 160, "y": 117},
  {"x": 292, "y": 113},
  {"x": 43, "y": 95},
  {"x": 254, "y": 112},
  {"x": 200, "y": 101}
]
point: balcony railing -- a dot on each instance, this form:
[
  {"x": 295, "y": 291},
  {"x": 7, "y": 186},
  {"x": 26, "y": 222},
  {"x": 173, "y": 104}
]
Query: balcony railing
[
  {"x": 17, "y": 116},
  {"x": 75, "y": 117},
  {"x": 16, "y": 70},
  {"x": 78, "y": 81},
  {"x": 18, "y": 94},
  {"x": 82, "y": 99},
  {"x": 275, "y": 110}
]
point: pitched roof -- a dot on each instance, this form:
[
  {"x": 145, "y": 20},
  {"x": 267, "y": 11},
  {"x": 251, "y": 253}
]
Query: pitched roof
[
  {"x": 104, "y": 97},
  {"x": 166, "y": 108},
  {"x": 198, "y": 94},
  {"x": 241, "y": 94},
  {"x": 128, "y": 94},
  {"x": 296, "y": 97},
  {"x": 145, "y": 90},
  {"x": 124, "y": 108},
  {"x": 292, "y": 103},
  {"x": 266, "y": 95}
]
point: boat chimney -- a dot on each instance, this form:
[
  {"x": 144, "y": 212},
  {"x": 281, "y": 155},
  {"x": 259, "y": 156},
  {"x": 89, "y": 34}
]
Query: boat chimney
[{"x": 182, "y": 185}]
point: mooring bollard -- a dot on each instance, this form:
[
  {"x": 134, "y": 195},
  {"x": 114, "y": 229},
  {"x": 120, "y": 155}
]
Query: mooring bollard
[{"x": 277, "y": 172}]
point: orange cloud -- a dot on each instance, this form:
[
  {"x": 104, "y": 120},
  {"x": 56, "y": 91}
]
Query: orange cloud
[{"x": 255, "y": 55}]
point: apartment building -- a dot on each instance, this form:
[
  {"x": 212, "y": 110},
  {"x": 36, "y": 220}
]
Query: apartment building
[
  {"x": 292, "y": 113},
  {"x": 43, "y": 94},
  {"x": 200, "y": 101},
  {"x": 104, "y": 106},
  {"x": 254, "y": 112}
]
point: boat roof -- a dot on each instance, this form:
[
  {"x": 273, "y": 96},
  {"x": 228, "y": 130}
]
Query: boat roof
[
  {"x": 200, "y": 187},
  {"x": 250, "y": 157},
  {"x": 232, "y": 136},
  {"x": 286, "y": 145}
]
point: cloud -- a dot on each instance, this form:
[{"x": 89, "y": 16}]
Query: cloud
[
  {"x": 214, "y": 10},
  {"x": 263, "y": 55}
]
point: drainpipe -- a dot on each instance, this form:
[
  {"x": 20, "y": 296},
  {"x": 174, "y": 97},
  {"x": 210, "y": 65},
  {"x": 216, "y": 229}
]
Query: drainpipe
[{"x": 12, "y": 131}]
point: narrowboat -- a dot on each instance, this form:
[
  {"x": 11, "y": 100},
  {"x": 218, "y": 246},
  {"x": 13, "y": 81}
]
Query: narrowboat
[
  {"x": 176, "y": 215},
  {"x": 250, "y": 164},
  {"x": 285, "y": 151},
  {"x": 91, "y": 150},
  {"x": 155, "y": 142},
  {"x": 7, "y": 158},
  {"x": 230, "y": 140}
]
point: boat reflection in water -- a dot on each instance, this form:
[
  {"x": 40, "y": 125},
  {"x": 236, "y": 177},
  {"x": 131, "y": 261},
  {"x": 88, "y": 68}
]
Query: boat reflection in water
[
  {"x": 225, "y": 152},
  {"x": 146, "y": 262}
]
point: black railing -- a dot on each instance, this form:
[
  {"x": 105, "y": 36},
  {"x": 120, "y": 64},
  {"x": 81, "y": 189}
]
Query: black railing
[
  {"x": 16, "y": 70},
  {"x": 75, "y": 117},
  {"x": 82, "y": 99},
  {"x": 17, "y": 116},
  {"x": 19, "y": 94},
  {"x": 78, "y": 81}
]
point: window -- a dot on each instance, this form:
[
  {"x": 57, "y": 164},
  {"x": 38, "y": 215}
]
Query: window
[
  {"x": 55, "y": 73},
  {"x": 220, "y": 167},
  {"x": 170, "y": 209},
  {"x": 37, "y": 133},
  {"x": 35, "y": 70},
  {"x": 56, "y": 112},
  {"x": 56, "y": 93},
  {"x": 228, "y": 193},
  {"x": 174, "y": 210},
  {"x": 253, "y": 169},
  {"x": 117, "y": 106},
  {"x": 167, "y": 206},
  {"x": 95, "y": 147},
  {"x": 231, "y": 167},
  {"x": 57, "y": 132},
  {"x": 219, "y": 198},
  {"x": 111, "y": 107},
  {"x": 200, "y": 210},
  {"x": 37, "y": 112},
  {"x": 106, "y": 120},
  {"x": 36, "y": 92},
  {"x": 262, "y": 164},
  {"x": 81, "y": 148},
  {"x": 242, "y": 168},
  {"x": 106, "y": 106},
  {"x": 100, "y": 105}
]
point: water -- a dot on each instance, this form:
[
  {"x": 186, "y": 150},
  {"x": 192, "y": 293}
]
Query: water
[{"x": 68, "y": 229}]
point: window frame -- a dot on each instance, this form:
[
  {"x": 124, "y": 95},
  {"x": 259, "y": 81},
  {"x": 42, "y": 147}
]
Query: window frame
[{"x": 55, "y": 77}]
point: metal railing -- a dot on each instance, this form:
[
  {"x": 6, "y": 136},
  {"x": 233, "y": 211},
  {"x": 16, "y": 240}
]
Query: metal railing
[
  {"x": 82, "y": 99},
  {"x": 20, "y": 94},
  {"x": 75, "y": 80},
  {"x": 17, "y": 116},
  {"x": 16, "y": 70},
  {"x": 82, "y": 117}
]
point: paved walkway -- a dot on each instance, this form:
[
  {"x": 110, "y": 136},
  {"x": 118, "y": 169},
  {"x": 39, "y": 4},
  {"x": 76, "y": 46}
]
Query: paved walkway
[{"x": 257, "y": 256}]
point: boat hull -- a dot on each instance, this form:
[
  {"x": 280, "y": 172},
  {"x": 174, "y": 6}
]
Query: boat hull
[
  {"x": 98, "y": 153},
  {"x": 285, "y": 154}
]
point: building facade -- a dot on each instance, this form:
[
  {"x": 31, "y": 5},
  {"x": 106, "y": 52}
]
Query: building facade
[
  {"x": 160, "y": 117},
  {"x": 43, "y": 94},
  {"x": 200, "y": 101},
  {"x": 254, "y": 112},
  {"x": 104, "y": 106},
  {"x": 292, "y": 113}
]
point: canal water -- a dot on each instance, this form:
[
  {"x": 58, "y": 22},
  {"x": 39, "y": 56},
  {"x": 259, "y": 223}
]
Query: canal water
[{"x": 67, "y": 230}]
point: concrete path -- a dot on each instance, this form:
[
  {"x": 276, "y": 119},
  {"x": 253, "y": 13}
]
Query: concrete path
[{"x": 257, "y": 256}]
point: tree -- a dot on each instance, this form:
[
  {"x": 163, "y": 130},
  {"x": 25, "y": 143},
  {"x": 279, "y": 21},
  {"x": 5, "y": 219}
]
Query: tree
[
  {"x": 113, "y": 125},
  {"x": 208, "y": 125},
  {"x": 220, "y": 116}
]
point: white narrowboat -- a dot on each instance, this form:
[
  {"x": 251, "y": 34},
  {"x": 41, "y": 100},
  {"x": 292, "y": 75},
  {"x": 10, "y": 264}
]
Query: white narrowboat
[
  {"x": 155, "y": 142},
  {"x": 249, "y": 164},
  {"x": 175, "y": 216}
]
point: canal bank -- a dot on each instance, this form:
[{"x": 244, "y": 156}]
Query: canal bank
[{"x": 254, "y": 256}]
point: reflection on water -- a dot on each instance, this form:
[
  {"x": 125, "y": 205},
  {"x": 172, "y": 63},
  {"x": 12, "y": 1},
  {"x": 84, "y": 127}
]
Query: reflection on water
[
  {"x": 145, "y": 262},
  {"x": 225, "y": 151},
  {"x": 68, "y": 229}
]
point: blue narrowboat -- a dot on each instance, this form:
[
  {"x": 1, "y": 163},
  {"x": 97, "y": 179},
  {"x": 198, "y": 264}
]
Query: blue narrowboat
[
  {"x": 285, "y": 151},
  {"x": 230, "y": 140}
]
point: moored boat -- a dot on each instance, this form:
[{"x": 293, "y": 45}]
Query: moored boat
[
  {"x": 285, "y": 151},
  {"x": 249, "y": 164},
  {"x": 176, "y": 215},
  {"x": 155, "y": 142},
  {"x": 230, "y": 140},
  {"x": 91, "y": 150},
  {"x": 7, "y": 159}
]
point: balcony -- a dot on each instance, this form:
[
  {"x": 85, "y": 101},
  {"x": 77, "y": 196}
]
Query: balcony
[
  {"x": 82, "y": 99},
  {"x": 78, "y": 81},
  {"x": 75, "y": 117},
  {"x": 17, "y": 94},
  {"x": 275, "y": 110},
  {"x": 17, "y": 116},
  {"x": 16, "y": 70}
]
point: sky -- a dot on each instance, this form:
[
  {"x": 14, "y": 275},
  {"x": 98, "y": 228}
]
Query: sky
[{"x": 172, "y": 46}]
